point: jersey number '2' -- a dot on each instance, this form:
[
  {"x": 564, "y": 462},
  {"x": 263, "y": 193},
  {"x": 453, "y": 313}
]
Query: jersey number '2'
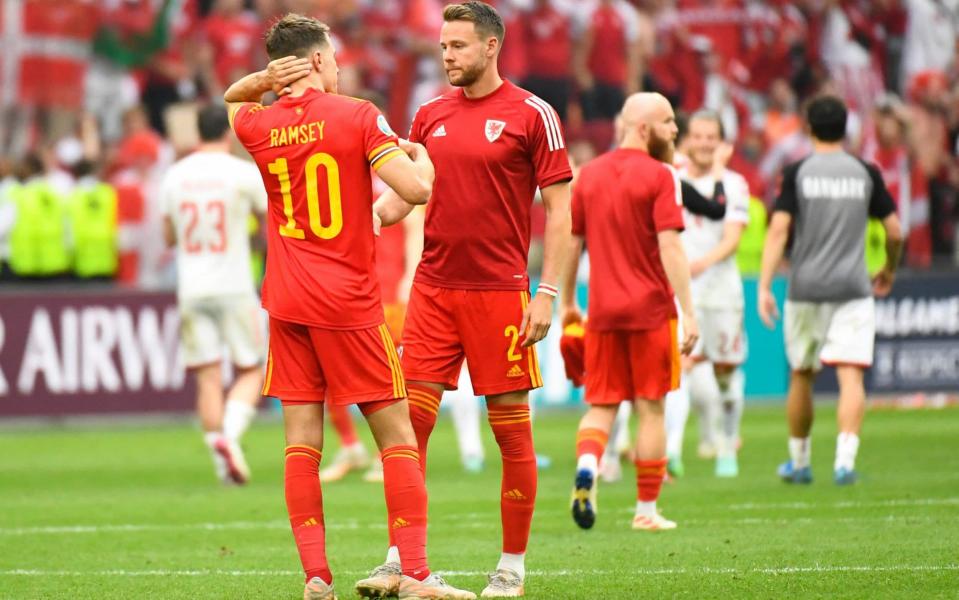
[{"x": 279, "y": 168}]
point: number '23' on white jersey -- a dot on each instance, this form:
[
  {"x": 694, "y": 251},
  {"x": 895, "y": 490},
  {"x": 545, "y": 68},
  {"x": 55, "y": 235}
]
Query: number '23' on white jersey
[{"x": 209, "y": 197}]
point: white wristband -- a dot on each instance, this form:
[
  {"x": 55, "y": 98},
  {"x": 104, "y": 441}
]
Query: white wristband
[{"x": 549, "y": 290}]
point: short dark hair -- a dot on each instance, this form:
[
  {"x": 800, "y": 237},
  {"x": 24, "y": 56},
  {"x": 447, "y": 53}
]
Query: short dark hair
[
  {"x": 827, "y": 116},
  {"x": 705, "y": 114},
  {"x": 296, "y": 35},
  {"x": 212, "y": 122},
  {"x": 483, "y": 16}
]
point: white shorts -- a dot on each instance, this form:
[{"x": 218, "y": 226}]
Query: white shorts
[
  {"x": 721, "y": 337},
  {"x": 830, "y": 333},
  {"x": 209, "y": 324}
]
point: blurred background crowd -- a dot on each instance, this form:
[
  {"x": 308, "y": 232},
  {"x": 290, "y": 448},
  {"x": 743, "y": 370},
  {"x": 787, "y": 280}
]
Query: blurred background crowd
[{"x": 99, "y": 97}]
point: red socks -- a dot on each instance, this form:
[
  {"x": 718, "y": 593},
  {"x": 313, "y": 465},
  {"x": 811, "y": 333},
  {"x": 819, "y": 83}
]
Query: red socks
[
  {"x": 649, "y": 478},
  {"x": 424, "y": 408},
  {"x": 406, "y": 507},
  {"x": 304, "y": 503},
  {"x": 591, "y": 441},
  {"x": 343, "y": 423},
  {"x": 514, "y": 434}
]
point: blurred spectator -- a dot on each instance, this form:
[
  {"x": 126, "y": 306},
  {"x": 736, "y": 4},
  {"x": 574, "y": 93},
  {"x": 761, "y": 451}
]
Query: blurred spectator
[
  {"x": 607, "y": 56},
  {"x": 888, "y": 149},
  {"x": 93, "y": 223},
  {"x": 39, "y": 237},
  {"x": 547, "y": 29},
  {"x": 930, "y": 39},
  {"x": 233, "y": 35}
]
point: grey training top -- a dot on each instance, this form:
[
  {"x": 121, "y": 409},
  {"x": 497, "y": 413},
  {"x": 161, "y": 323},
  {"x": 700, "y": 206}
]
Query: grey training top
[{"x": 831, "y": 197}]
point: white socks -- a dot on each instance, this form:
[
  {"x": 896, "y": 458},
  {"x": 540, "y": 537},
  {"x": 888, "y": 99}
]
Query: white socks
[
  {"x": 590, "y": 462},
  {"x": 236, "y": 419},
  {"x": 393, "y": 554},
  {"x": 465, "y": 410},
  {"x": 513, "y": 562},
  {"x": 704, "y": 396},
  {"x": 219, "y": 463},
  {"x": 800, "y": 451},
  {"x": 847, "y": 446},
  {"x": 733, "y": 399},
  {"x": 645, "y": 509},
  {"x": 677, "y": 413}
]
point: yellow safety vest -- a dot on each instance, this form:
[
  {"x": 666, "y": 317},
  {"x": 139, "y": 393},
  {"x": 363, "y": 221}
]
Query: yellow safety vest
[
  {"x": 93, "y": 215},
  {"x": 38, "y": 246},
  {"x": 749, "y": 257},
  {"x": 875, "y": 246}
]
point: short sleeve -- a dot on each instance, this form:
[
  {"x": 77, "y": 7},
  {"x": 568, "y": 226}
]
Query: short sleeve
[
  {"x": 166, "y": 196},
  {"x": 244, "y": 121},
  {"x": 379, "y": 141},
  {"x": 787, "y": 200},
  {"x": 416, "y": 127},
  {"x": 881, "y": 203},
  {"x": 547, "y": 144},
  {"x": 578, "y": 206},
  {"x": 255, "y": 189},
  {"x": 737, "y": 200},
  {"x": 668, "y": 204}
]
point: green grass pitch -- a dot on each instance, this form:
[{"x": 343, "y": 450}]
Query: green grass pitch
[{"x": 133, "y": 512}]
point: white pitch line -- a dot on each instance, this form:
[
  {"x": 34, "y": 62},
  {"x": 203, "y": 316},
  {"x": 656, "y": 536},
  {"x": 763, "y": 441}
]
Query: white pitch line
[
  {"x": 224, "y": 526},
  {"x": 786, "y": 570},
  {"x": 847, "y": 504}
]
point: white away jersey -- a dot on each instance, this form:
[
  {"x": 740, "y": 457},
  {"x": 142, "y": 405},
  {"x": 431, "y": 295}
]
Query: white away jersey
[
  {"x": 209, "y": 197},
  {"x": 720, "y": 286}
]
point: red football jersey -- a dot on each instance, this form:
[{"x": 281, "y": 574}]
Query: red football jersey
[
  {"x": 314, "y": 153},
  {"x": 490, "y": 154},
  {"x": 621, "y": 201}
]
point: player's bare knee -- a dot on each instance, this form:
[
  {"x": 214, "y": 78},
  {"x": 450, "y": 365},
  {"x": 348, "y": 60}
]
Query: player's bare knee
[
  {"x": 389, "y": 422},
  {"x": 650, "y": 409},
  {"x": 600, "y": 416},
  {"x": 303, "y": 425},
  {"x": 509, "y": 399}
]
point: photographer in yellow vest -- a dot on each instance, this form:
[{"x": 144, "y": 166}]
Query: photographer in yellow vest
[{"x": 93, "y": 220}]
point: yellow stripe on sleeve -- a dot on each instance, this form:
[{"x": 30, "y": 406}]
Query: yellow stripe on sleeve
[
  {"x": 385, "y": 157},
  {"x": 379, "y": 149}
]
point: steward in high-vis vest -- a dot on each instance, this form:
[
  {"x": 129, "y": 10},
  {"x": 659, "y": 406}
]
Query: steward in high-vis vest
[
  {"x": 38, "y": 240},
  {"x": 93, "y": 217}
]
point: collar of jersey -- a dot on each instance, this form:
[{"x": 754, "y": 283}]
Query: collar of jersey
[
  {"x": 506, "y": 83},
  {"x": 309, "y": 93}
]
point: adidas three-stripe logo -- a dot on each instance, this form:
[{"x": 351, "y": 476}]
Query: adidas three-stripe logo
[{"x": 554, "y": 135}]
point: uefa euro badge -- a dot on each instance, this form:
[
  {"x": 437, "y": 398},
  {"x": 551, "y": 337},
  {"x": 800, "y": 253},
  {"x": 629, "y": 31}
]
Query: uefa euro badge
[{"x": 494, "y": 129}]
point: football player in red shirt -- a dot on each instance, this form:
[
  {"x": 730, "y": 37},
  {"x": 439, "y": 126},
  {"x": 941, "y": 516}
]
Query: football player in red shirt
[
  {"x": 627, "y": 207},
  {"x": 493, "y": 144},
  {"x": 328, "y": 340}
]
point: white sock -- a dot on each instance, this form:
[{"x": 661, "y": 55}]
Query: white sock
[
  {"x": 645, "y": 509},
  {"x": 590, "y": 462},
  {"x": 800, "y": 451},
  {"x": 621, "y": 441},
  {"x": 219, "y": 463},
  {"x": 393, "y": 554},
  {"x": 236, "y": 419},
  {"x": 513, "y": 562},
  {"x": 733, "y": 399},
  {"x": 677, "y": 413},
  {"x": 704, "y": 397},
  {"x": 465, "y": 410},
  {"x": 847, "y": 446}
]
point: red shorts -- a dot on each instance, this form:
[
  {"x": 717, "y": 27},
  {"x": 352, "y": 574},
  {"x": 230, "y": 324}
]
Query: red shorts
[
  {"x": 625, "y": 365},
  {"x": 444, "y": 326},
  {"x": 309, "y": 364}
]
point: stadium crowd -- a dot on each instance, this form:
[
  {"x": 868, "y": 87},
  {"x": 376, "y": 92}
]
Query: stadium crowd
[{"x": 98, "y": 98}]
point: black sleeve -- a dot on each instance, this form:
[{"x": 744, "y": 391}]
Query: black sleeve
[
  {"x": 700, "y": 205},
  {"x": 881, "y": 204},
  {"x": 788, "y": 200}
]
